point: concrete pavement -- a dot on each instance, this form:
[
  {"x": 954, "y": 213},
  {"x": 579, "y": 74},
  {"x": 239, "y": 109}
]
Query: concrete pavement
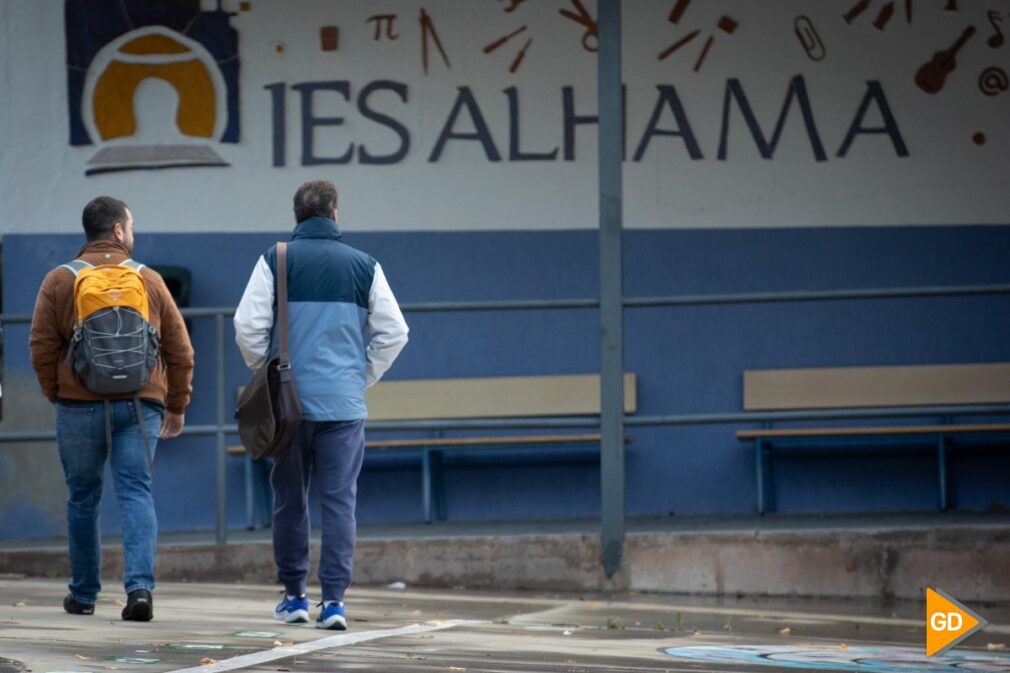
[{"x": 229, "y": 627}]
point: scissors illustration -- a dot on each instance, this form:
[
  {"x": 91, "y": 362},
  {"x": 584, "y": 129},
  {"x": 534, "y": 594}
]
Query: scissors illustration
[{"x": 584, "y": 18}]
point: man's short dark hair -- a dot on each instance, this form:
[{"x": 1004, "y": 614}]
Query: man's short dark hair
[
  {"x": 100, "y": 217},
  {"x": 315, "y": 199}
]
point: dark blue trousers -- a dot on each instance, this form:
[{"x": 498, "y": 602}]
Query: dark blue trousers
[{"x": 332, "y": 452}]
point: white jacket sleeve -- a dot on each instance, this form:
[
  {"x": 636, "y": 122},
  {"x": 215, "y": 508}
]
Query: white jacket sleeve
[
  {"x": 254, "y": 316},
  {"x": 387, "y": 327}
]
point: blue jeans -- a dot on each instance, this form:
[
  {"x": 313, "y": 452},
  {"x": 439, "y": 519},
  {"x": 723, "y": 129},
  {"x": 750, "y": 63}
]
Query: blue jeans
[
  {"x": 82, "y": 441},
  {"x": 333, "y": 452}
]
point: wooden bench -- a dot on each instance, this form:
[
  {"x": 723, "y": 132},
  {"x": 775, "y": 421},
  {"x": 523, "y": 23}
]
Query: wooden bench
[
  {"x": 571, "y": 396},
  {"x": 871, "y": 388}
]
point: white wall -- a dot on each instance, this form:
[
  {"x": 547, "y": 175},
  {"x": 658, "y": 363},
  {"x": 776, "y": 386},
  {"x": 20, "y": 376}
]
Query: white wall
[{"x": 946, "y": 179}]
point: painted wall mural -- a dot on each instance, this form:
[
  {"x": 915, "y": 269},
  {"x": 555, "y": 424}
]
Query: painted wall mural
[{"x": 738, "y": 114}]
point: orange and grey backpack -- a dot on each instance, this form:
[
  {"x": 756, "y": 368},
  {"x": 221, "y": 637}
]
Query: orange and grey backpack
[{"x": 114, "y": 346}]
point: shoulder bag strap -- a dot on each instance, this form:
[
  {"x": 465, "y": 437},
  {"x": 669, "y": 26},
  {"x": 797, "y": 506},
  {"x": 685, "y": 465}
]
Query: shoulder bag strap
[{"x": 282, "y": 309}]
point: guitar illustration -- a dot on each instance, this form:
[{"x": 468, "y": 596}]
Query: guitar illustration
[{"x": 933, "y": 75}]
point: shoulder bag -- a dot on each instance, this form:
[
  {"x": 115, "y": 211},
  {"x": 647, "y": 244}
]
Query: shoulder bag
[{"x": 269, "y": 412}]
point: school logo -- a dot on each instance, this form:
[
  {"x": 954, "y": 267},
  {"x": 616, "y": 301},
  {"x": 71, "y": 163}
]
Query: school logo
[{"x": 151, "y": 84}]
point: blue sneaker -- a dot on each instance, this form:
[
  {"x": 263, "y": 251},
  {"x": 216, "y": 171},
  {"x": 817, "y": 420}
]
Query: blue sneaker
[
  {"x": 292, "y": 610},
  {"x": 332, "y": 616}
]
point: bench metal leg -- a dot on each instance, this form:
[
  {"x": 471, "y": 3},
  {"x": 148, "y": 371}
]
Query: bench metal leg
[
  {"x": 426, "y": 483},
  {"x": 763, "y": 472},
  {"x": 941, "y": 460},
  {"x": 769, "y": 471}
]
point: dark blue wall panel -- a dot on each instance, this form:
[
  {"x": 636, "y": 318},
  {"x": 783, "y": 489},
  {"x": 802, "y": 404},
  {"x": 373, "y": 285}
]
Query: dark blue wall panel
[{"x": 688, "y": 359}]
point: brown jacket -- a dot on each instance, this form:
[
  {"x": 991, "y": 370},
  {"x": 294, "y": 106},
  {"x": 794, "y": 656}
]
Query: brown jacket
[{"x": 53, "y": 326}]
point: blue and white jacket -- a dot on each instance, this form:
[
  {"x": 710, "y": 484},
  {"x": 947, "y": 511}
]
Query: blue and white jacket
[{"x": 345, "y": 326}]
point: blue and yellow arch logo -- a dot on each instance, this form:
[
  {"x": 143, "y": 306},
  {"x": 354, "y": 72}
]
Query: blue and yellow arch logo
[{"x": 154, "y": 84}]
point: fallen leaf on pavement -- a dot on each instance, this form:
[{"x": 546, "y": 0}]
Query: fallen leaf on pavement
[
  {"x": 207, "y": 661},
  {"x": 785, "y": 632},
  {"x": 78, "y": 657},
  {"x": 21, "y": 604}
]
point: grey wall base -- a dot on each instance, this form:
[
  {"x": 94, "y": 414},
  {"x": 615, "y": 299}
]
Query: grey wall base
[{"x": 971, "y": 563}]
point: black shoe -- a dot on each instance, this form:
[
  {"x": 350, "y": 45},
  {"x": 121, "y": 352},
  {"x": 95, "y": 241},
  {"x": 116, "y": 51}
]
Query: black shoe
[
  {"x": 139, "y": 606},
  {"x": 75, "y": 608}
]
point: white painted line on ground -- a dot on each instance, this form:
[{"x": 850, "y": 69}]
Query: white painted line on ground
[{"x": 255, "y": 658}]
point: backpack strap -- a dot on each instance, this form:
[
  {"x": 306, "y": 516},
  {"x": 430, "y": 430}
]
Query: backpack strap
[
  {"x": 76, "y": 266},
  {"x": 133, "y": 264}
]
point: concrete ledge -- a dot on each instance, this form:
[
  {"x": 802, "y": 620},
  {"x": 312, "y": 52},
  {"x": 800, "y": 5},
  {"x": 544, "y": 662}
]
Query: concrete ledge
[
  {"x": 970, "y": 562},
  {"x": 973, "y": 564}
]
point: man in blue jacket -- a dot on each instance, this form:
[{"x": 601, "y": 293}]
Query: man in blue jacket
[{"x": 345, "y": 331}]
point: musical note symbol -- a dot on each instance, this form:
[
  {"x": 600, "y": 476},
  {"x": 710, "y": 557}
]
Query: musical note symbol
[{"x": 996, "y": 40}]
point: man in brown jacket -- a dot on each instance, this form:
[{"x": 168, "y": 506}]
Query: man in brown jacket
[{"x": 92, "y": 427}]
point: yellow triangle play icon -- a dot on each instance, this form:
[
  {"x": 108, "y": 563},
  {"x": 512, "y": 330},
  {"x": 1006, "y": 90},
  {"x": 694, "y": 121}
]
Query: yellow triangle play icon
[{"x": 948, "y": 622}]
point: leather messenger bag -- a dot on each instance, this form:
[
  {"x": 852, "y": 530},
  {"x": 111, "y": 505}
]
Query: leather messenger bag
[{"x": 269, "y": 412}]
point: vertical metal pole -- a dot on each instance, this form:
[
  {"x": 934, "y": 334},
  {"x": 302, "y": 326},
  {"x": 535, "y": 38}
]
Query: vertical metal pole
[
  {"x": 611, "y": 146},
  {"x": 941, "y": 459},
  {"x": 426, "y": 483},
  {"x": 222, "y": 450}
]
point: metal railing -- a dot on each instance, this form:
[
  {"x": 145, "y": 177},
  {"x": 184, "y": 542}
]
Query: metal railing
[{"x": 221, "y": 429}]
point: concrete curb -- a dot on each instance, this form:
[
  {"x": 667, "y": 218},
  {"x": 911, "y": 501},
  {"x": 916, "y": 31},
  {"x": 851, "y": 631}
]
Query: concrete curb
[{"x": 972, "y": 563}]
